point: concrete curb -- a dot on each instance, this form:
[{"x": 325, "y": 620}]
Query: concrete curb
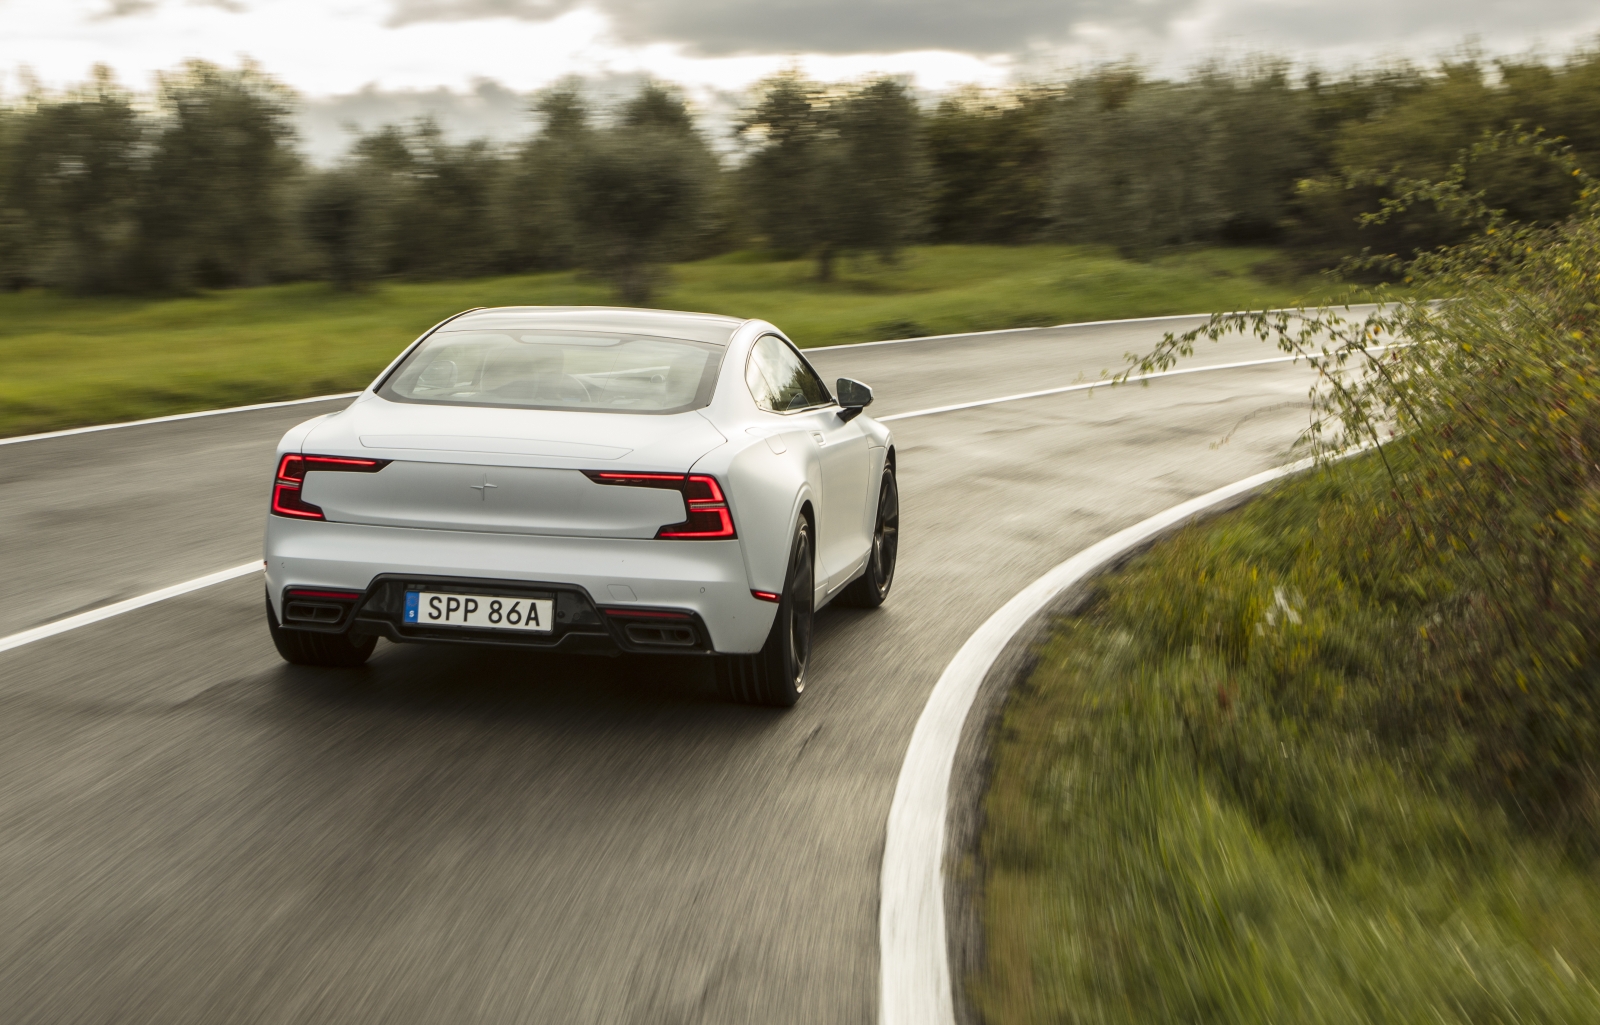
[{"x": 915, "y": 980}]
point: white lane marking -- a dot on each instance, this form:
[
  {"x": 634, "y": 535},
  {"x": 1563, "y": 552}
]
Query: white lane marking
[
  {"x": 175, "y": 416},
  {"x": 1104, "y": 383},
  {"x": 228, "y": 574},
  {"x": 914, "y": 970},
  {"x": 1006, "y": 331},
  {"x": 61, "y": 626},
  {"x": 819, "y": 348}
]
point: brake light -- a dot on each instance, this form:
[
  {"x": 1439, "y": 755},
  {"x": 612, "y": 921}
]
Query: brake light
[
  {"x": 670, "y": 481},
  {"x": 708, "y": 511},
  {"x": 708, "y": 519},
  {"x": 292, "y": 468},
  {"x": 301, "y": 592}
]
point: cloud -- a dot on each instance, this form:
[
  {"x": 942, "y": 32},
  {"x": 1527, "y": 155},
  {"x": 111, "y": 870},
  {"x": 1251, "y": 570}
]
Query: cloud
[
  {"x": 720, "y": 27},
  {"x": 130, "y": 8},
  {"x": 1367, "y": 22},
  {"x": 487, "y": 110},
  {"x": 125, "y": 9},
  {"x": 406, "y": 12}
]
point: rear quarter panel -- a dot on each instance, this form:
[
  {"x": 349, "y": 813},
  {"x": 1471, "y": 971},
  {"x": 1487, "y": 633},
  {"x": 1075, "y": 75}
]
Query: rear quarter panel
[{"x": 767, "y": 492}]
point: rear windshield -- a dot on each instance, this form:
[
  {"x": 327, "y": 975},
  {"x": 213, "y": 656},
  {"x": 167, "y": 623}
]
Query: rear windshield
[{"x": 569, "y": 370}]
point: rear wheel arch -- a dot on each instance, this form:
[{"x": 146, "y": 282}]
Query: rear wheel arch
[{"x": 776, "y": 674}]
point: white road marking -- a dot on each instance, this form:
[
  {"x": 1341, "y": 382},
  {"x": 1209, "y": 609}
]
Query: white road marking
[
  {"x": 1103, "y": 383},
  {"x": 350, "y": 395},
  {"x": 175, "y": 416},
  {"x": 61, "y": 626},
  {"x": 914, "y": 970},
  {"x": 72, "y": 622},
  {"x": 1012, "y": 331}
]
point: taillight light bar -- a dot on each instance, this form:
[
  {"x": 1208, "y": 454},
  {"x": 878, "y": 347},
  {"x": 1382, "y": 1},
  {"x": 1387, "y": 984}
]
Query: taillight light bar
[
  {"x": 708, "y": 519},
  {"x": 646, "y": 614},
  {"x": 292, "y": 469},
  {"x": 303, "y": 592}
]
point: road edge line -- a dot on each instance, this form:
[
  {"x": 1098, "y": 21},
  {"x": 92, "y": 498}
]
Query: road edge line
[
  {"x": 93, "y": 428},
  {"x": 915, "y": 984},
  {"x": 62, "y": 626},
  {"x": 1104, "y": 382}
]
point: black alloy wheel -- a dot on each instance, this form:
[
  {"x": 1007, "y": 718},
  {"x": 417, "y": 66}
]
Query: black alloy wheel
[
  {"x": 870, "y": 589},
  {"x": 776, "y": 675},
  {"x": 309, "y": 648}
]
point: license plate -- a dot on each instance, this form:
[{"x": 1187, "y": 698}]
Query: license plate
[{"x": 480, "y": 611}]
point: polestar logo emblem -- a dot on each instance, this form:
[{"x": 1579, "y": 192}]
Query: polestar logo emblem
[{"x": 484, "y": 488}]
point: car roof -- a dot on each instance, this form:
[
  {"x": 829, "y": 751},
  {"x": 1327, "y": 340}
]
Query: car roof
[{"x": 698, "y": 327}]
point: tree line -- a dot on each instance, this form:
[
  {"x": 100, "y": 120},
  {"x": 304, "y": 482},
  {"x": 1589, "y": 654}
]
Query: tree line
[{"x": 200, "y": 184}]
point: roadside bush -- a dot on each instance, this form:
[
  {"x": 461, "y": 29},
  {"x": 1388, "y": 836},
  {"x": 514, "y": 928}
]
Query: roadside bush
[
  {"x": 1333, "y": 758},
  {"x": 1485, "y": 525},
  {"x": 1226, "y": 796}
]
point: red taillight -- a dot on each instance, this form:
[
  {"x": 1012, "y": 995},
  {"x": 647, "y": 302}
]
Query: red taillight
[
  {"x": 646, "y": 614},
  {"x": 708, "y": 511},
  {"x": 286, "y": 501},
  {"x": 670, "y": 481},
  {"x": 709, "y": 518},
  {"x": 292, "y": 468},
  {"x": 302, "y": 592},
  {"x": 766, "y": 595}
]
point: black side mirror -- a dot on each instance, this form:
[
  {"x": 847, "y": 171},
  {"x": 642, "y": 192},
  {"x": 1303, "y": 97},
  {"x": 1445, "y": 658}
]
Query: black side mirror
[{"x": 853, "y": 394}]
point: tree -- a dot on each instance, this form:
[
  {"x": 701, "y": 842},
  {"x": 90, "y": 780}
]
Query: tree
[
  {"x": 639, "y": 192},
  {"x": 214, "y": 203},
  {"x": 1263, "y": 147},
  {"x": 1142, "y": 173},
  {"x": 880, "y": 178},
  {"x": 68, "y": 178},
  {"x": 538, "y": 187},
  {"x": 990, "y": 166},
  {"x": 784, "y": 171},
  {"x": 836, "y": 173},
  {"x": 338, "y": 221}
]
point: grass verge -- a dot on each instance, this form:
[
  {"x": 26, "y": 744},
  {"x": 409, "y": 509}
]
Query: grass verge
[
  {"x": 1208, "y": 805},
  {"x": 72, "y": 361}
]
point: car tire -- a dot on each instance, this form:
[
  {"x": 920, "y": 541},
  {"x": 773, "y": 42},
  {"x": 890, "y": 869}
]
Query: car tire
[
  {"x": 308, "y": 648},
  {"x": 870, "y": 589},
  {"x": 776, "y": 675}
]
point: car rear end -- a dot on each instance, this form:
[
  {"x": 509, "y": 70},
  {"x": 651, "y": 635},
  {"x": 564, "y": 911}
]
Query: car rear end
[
  {"x": 637, "y": 588},
  {"x": 565, "y": 516}
]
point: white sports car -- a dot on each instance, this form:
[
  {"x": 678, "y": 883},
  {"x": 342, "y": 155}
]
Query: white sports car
[{"x": 592, "y": 480}]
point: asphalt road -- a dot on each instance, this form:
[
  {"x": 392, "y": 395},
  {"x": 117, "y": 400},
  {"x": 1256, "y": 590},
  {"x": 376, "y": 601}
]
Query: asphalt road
[{"x": 192, "y": 831}]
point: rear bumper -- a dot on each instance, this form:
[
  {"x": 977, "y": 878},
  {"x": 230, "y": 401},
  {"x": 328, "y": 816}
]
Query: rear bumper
[{"x": 705, "y": 578}]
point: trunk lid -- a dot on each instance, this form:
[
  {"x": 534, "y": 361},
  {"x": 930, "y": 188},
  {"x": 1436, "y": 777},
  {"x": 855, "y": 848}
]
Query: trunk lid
[{"x": 504, "y": 470}]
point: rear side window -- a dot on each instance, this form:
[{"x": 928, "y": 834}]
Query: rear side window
[
  {"x": 578, "y": 371},
  {"x": 780, "y": 380}
]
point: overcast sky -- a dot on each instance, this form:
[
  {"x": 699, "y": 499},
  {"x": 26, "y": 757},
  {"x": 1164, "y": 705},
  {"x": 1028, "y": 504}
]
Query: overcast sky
[{"x": 473, "y": 61}]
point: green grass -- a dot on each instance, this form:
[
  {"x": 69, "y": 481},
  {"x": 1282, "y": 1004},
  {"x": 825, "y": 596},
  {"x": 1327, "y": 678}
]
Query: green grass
[
  {"x": 1206, "y": 810},
  {"x": 71, "y": 361}
]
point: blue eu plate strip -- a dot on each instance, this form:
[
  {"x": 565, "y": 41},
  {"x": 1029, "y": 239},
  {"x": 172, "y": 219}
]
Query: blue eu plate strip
[{"x": 411, "y": 606}]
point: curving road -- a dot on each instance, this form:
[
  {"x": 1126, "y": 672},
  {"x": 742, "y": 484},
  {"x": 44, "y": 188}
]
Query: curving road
[{"x": 191, "y": 831}]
